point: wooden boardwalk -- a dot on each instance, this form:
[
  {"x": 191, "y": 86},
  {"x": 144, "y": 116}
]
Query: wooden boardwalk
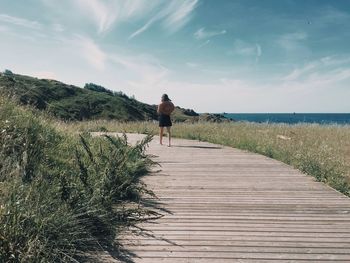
[{"x": 221, "y": 204}]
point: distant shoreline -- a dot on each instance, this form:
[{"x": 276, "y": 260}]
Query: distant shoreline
[{"x": 291, "y": 118}]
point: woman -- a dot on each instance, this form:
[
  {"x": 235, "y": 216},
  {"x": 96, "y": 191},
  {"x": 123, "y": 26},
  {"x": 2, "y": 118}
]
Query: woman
[{"x": 165, "y": 108}]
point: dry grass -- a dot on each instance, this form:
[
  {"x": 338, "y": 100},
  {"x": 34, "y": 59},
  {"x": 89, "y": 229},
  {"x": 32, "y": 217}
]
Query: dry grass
[{"x": 322, "y": 151}]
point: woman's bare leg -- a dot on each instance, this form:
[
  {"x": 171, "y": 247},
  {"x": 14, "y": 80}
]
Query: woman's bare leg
[
  {"x": 169, "y": 134},
  {"x": 161, "y": 130}
]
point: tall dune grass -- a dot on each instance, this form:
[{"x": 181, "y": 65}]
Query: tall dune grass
[
  {"x": 322, "y": 151},
  {"x": 62, "y": 194}
]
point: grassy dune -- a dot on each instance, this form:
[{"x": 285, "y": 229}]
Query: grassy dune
[
  {"x": 322, "y": 151},
  {"x": 63, "y": 195}
]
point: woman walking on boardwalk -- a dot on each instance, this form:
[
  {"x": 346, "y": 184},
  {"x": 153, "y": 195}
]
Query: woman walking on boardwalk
[{"x": 165, "y": 108}]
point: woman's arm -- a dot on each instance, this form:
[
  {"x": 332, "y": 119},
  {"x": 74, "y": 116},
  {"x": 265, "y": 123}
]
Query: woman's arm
[{"x": 172, "y": 107}]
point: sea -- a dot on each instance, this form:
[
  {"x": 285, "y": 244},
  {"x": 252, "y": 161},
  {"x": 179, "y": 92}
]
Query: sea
[{"x": 292, "y": 118}]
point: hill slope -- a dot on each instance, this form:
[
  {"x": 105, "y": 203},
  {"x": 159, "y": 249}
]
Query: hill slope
[
  {"x": 70, "y": 102},
  {"x": 73, "y": 103}
]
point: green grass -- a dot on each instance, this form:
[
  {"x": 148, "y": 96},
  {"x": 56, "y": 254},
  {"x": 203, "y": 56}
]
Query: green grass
[
  {"x": 322, "y": 151},
  {"x": 63, "y": 195}
]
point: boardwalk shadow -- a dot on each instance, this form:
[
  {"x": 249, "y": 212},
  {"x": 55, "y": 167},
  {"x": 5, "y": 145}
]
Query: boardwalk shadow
[
  {"x": 155, "y": 205},
  {"x": 198, "y": 147},
  {"x": 156, "y": 210},
  {"x": 121, "y": 254}
]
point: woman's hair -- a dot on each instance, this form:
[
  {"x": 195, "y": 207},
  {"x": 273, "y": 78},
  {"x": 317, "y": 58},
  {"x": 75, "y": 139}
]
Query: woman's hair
[{"x": 165, "y": 97}]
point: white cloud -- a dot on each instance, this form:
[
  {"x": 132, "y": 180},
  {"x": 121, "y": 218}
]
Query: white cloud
[
  {"x": 258, "y": 50},
  {"x": 136, "y": 8},
  {"x": 204, "y": 43},
  {"x": 106, "y": 14},
  {"x": 324, "y": 68},
  {"x": 322, "y": 79},
  {"x": 18, "y": 21},
  {"x": 103, "y": 13},
  {"x": 203, "y": 34},
  {"x": 4, "y": 28},
  {"x": 314, "y": 83},
  {"x": 146, "y": 70},
  {"x": 298, "y": 72},
  {"x": 58, "y": 27},
  {"x": 335, "y": 60},
  {"x": 292, "y": 41},
  {"x": 173, "y": 15},
  {"x": 192, "y": 65},
  {"x": 180, "y": 13},
  {"x": 144, "y": 27},
  {"x": 330, "y": 15},
  {"x": 89, "y": 50},
  {"x": 94, "y": 54},
  {"x": 328, "y": 76},
  {"x": 244, "y": 48}
]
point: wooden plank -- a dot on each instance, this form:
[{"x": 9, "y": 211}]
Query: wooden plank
[
  {"x": 241, "y": 255},
  {"x": 226, "y": 260},
  {"x": 220, "y": 204}
]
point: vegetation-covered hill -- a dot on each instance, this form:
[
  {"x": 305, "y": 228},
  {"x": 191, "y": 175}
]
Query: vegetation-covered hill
[
  {"x": 70, "y": 102},
  {"x": 73, "y": 103}
]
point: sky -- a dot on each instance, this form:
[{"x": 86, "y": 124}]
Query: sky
[{"x": 207, "y": 55}]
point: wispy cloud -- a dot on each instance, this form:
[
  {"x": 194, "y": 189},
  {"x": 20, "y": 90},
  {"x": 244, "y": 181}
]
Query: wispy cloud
[
  {"x": 244, "y": 48},
  {"x": 331, "y": 15},
  {"x": 327, "y": 66},
  {"x": 145, "y": 26},
  {"x": 93, "y": 54},
  {"x": 146, "y": 70},
  {"x": 204, "y": 43},
  {"x": 173, "y": 15},
  {"x": 292, "y": 41},
  {"x": 320, "y": 80},
  {"x": 298, "y": 72},
  {"x": 202, "y": 33},
  {"x": 57, "y": 27},
  {"x": 18, "y": 21},
  {"x": 3, "y": 28},
  {"x": 103, "y": 13},
  {"x": 315, "y": 82},
  {"x": 180, "y": 13},
  {"x": 192, "y": 65},
  {"x": 258, "y": 50},
  {"x": 90, "y": 51}
]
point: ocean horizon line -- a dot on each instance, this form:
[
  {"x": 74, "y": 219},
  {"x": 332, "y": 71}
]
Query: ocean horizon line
[
  {"x": 291, "y": 118},
  {"x": 226, "y": 112}
]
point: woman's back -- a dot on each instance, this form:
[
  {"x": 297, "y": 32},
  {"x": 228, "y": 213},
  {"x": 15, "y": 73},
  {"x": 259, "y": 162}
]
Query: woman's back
[{"x": 166, "y": 107}]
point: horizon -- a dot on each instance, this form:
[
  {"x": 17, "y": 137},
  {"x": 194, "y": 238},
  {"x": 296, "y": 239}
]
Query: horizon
[
  {"x": 241, "y": 57},
  {"x": 296, "y": 113}
]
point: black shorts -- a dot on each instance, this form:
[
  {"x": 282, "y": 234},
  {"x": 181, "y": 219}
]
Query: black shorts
[{"x": 164, "y": 120}]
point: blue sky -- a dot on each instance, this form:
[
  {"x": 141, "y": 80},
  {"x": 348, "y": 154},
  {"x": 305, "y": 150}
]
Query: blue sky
[{"x": 212, "y": 56}]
